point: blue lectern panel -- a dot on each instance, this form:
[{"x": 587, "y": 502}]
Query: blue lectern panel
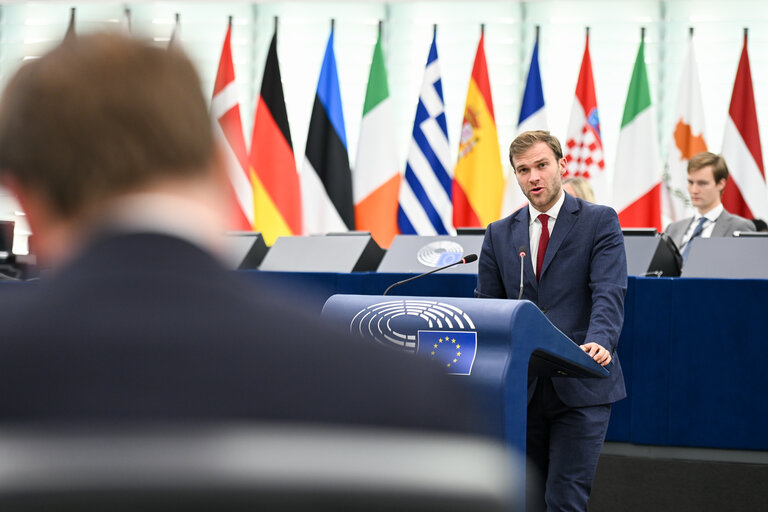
[{"x": 490, "y": 342}]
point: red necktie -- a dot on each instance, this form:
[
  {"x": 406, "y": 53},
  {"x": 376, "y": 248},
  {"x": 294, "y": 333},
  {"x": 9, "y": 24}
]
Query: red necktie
[{"x": 543, "y": 241}]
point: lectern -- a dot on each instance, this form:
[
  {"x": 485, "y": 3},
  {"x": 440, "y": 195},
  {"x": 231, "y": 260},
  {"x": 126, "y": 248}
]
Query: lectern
[{"x": 494, "y": 343}]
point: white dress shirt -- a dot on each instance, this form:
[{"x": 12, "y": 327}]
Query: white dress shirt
[
  {"x": 709, "y": 224},
  {"x": 534, "y": 228}
]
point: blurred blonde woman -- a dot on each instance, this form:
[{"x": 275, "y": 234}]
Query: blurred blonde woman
[{"x": 579, "y": 187}]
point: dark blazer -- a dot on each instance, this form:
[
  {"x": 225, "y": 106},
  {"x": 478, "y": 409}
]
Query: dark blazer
[
  {"x": 725, "y": 225},
  {"x": 581, "y": 289},
  {"x": 149, "y": 327}
]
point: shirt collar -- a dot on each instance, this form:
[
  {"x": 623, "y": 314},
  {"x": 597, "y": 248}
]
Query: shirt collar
[
  {"x": 165, "y": 214},
  {"x": 552, "y": 212},
  {"x": 712, "y": 214}
]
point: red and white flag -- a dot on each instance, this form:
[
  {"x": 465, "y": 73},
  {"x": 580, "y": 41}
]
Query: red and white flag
[
  {"x": 745, "y": 194},
  {"x": 583, "y": 144},
  {"x": 228, "y": 128}
]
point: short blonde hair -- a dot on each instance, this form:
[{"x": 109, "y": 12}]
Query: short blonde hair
[{"x": 581, "y": 188}]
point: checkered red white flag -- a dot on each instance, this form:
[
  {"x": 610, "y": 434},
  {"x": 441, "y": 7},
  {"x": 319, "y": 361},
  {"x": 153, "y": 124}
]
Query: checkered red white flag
[{"x": 583, "y": 145}]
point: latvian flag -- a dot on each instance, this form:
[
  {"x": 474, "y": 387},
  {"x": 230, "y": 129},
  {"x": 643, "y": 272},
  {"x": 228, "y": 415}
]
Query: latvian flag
[{"x": 745, "y": 193}]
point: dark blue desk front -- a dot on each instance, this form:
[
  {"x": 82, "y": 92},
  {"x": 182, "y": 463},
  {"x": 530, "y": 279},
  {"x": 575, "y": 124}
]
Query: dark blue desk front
[{"x": 694, "y": 352}]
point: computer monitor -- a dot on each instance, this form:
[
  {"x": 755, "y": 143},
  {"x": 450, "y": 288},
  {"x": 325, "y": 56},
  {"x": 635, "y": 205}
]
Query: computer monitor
[
  {"x": 6, "y": 239},
  {"x": 639, "y": 231}
]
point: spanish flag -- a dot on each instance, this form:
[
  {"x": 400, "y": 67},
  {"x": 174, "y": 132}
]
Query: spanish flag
[
  {"x": 478, "y": 182},
  {"x": 277, "y": 196}
]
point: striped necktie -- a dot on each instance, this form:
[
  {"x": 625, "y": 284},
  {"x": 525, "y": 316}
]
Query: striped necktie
[{"x": 696, "y": 232}]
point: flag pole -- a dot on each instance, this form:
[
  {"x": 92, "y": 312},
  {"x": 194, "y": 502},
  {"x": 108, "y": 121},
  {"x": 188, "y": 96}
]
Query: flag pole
[
  {"x": 538, "y": 27},
  {"x": 745, "y": 34},
  {"x": 127, "y": 14},
  {"x": 482, "y": 30},
  {"x": 275, "y": 24},
  {"x": 642, "y": 34},
  {"x": 70, "y": 33},
  {"x": 690, "y": 32}
]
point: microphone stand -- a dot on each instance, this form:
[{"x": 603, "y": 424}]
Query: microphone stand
[{"x": 467, "y": 259}]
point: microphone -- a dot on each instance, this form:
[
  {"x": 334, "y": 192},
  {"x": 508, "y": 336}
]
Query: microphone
[
  {"x": 469, "y": 258},
  {"x": 521, "y": 250}
]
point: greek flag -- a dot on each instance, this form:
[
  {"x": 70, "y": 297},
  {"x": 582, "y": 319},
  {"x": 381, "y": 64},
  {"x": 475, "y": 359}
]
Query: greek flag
[{"x": 425, "y": 205}]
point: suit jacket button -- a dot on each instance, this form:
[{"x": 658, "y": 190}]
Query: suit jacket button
[{"x": 543, "y": 310}]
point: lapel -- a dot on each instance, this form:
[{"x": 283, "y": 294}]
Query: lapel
[
  {"x": 565, "y": 221},
  {"x": 721, "y": 225},
  {"x": 521, "y": 237}
]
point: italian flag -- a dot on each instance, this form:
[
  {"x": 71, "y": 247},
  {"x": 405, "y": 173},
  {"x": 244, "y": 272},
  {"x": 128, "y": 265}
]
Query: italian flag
[
  {"x": 637, "y": 179},
  {"x": 478, "y": 182},
  {"x": 377, "y": 178}
]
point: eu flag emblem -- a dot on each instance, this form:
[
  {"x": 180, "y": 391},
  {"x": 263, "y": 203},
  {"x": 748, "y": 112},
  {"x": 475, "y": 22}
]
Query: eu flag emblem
[{"x": 455, "y": 350}]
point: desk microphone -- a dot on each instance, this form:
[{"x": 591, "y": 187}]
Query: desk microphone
[
  {"x": 522, "y": 270},
  {"x": 469, "y": 258}
]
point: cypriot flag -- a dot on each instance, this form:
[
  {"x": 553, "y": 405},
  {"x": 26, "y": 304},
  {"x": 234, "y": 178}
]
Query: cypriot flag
[{"x": 687, "y": 140}]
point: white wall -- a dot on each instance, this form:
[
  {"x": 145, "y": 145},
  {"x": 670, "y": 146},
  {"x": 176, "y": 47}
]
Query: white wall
[{"x": 29, "y": 28}]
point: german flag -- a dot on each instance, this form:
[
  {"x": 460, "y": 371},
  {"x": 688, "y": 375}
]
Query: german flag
[{"x": 276, "y": 190}]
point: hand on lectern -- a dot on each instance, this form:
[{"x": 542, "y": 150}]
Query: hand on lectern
[{"x": 597, "y": 352}]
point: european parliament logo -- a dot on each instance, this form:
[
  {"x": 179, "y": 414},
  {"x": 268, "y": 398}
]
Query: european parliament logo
[{"x": 454, "y": 350}]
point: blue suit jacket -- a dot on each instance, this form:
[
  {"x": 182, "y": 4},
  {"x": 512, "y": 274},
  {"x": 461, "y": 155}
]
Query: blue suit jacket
[
  {"x": 581, "y": 289},
  {"x": 147, "y": 327}
]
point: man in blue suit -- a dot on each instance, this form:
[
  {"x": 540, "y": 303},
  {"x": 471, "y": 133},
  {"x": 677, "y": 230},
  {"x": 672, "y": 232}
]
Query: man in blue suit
[{"x": 577, "y": 276}]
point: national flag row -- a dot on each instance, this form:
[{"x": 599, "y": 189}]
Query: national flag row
[{"x": 432, "y": 195}]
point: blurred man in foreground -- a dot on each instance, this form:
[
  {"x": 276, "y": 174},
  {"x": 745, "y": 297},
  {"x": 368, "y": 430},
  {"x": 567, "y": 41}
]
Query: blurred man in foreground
[{"x": 108, "y": 146}]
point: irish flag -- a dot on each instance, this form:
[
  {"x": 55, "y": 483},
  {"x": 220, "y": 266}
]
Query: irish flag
[
  {"x": 745, "y": 193},
  {"x": 687, "y": 140},
  {"x": 377, "y": 177},
  {"x": 478, "y": 182},
  {"x": 637, "y": 181}
]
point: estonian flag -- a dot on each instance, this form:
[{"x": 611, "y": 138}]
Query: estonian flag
[{"x": 326, "y": 180}]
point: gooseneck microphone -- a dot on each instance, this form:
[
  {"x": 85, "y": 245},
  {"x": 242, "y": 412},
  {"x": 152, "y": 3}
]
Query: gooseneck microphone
[
  {"x": 521, "y": 250},
  {"x": 469, "y": 258}
]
